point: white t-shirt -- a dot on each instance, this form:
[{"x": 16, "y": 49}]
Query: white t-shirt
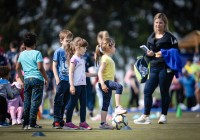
[{"x": 79, "y": 71}]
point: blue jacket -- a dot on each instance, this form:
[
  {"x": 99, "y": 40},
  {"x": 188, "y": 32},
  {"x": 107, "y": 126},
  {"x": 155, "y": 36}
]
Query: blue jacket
[{"x": 173, "y": 60}]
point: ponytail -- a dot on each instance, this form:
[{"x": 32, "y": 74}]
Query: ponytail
[
  {"x": 98, "y": 54},
  {"x": 69, "y": 51}
]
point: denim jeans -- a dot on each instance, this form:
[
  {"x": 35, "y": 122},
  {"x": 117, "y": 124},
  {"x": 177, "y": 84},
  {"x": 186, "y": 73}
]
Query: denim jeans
[
  {"x": 158, "y": 76},
  {"x": 60, "y": 100},
  {"x": 107, "y": 96},
  {"x": 81, "y": 95},
  {"x": 33, "y": 92}
]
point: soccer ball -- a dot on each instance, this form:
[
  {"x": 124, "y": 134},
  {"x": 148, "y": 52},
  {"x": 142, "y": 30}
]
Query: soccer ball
[{"x": 119, "y": 121}]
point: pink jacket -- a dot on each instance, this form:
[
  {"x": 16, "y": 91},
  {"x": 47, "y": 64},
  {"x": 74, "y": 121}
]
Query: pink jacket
[{"x": 16, "y": 102}]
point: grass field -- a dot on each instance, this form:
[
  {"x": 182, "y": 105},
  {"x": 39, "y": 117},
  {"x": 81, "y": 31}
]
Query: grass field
[{"x": 185, "y": 128}]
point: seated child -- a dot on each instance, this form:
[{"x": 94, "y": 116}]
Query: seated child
[{"x": 15, "y": 105}]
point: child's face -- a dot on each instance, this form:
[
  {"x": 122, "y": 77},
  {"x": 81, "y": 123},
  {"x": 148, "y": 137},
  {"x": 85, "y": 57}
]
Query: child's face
[
  {"x": 47, "y": 66},
  {"x": 82, "y": 50},
  {"x": 113, "y": 49},
  {"x": 66, "y": 41}
]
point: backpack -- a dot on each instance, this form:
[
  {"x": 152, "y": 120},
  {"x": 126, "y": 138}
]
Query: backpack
[{"x": 141, "y": 69}]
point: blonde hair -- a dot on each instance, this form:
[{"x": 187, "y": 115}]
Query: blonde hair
[
  {"x": 77, "y": 42},
  {"x": 164, "y": 18},
  {"x": 105, "y": 44},
  {"x": 100, "y": 36}
]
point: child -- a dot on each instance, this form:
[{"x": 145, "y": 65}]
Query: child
[
  {"x": 106, "y": 74},
  {"x": 60, "y": 70},
  {"x": 100, "y": 36},
  {"x": 49, "y": 90},
  {"x": 31, "y": 61},
  {"x": 77, "y": 78},
  {"x": 15, "y": 105},
  {"x": 188, "y": 83},
  {"x": 5, "y": 91}
]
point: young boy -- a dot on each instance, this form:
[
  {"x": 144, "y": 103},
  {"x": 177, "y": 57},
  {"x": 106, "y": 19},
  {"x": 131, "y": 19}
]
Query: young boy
[
  {"x": 31, "y": 61},
  {"x": 5, "y": 91},
  {"x": 60, "y": 70}
]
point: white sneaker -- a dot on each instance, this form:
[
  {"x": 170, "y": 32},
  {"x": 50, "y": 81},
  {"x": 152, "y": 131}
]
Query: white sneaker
[
  {"x": 196, "y": 107},
  {"x": 120, "y": 110},
  {"x": 142, "y": 120},
  {"x": 163, "y": 119},
  {"x": 182, "y": 106},
  {"x": 14, "y": 121}
]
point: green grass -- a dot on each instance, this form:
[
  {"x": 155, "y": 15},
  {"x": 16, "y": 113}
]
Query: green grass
[{"x": 183, "y": 128}]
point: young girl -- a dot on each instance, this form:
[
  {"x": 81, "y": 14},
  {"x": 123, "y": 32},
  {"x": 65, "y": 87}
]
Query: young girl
[
  {"x": 15, "y": 105},
  {"x": 77, "y": 79},
  {"x": 31, "y": 61},
  {"x": 106, "y": 74}
]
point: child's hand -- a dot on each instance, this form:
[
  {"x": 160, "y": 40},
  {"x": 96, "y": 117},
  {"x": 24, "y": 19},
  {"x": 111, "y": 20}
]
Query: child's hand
[
  {"x": 72, "y": 90},
  {"x": 46, "y": 83},
  {"x": 104, "y": 88},
  {"x": 57, "y": 80}
]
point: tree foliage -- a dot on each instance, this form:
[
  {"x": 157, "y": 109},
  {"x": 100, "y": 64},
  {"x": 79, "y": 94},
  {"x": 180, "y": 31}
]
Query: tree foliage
[{"x": 128, "y": 21}]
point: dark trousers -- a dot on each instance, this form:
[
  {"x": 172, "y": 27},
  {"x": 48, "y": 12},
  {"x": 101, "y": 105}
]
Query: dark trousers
[
  {"x": 134, "y": 96},
  {"x": 178, "y": 94},
  {"x": 3, "y": 109},
  {"x": 60, "y": 100},
  {"x": 158, "y": 76},
  {"x": 33, "y": 92},
  {"x": 80, "y": 94},
  {"x": 107, "y": 96},
  {"x": 191, "y": 101},
  {"x": 90, "y": 95}
]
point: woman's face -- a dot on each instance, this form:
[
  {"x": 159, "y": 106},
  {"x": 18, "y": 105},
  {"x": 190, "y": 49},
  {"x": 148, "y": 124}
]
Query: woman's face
[{"x": 159, "y": 25}]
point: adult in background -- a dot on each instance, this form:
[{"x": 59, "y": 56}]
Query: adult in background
[
  {"x": 11, "y": 55},
  {"x": 163, "y": 50}
]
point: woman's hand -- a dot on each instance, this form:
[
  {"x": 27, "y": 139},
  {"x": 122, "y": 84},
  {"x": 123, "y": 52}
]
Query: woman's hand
[
  {"x": 158, "y": 54},
  {"x": 150, "y": 53}
]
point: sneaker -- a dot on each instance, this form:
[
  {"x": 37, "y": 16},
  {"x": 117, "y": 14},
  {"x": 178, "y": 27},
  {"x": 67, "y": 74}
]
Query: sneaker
[
  {"x": 56, "y": 125},
  {"x": 105, "y": 126},
  {"x": 70, "y": 126},
  {"x": 120, "y": 110},
  {"x": 163, "y": 119},
  {"x": 196, "y": 107},
  {"x": 62, "y": 123},
  {"x": 142, "y": 120},
  {"x": 4, "y": 124},
  {"x": 35, "y": 126},
  {"x": 84, "y": 126},
  {"x": 27, "y": 127},
  {"x": 14, "y": 121},
  {"x": 182, "y": 106},
  {"x": 19, "y": 121}
]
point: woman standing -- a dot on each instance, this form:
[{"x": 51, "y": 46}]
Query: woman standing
[{"x": 162, "y": 45}]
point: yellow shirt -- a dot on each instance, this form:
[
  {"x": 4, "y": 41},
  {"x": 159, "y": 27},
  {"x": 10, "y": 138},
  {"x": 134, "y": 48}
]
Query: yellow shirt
[{"x": 109, "y": 71}]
